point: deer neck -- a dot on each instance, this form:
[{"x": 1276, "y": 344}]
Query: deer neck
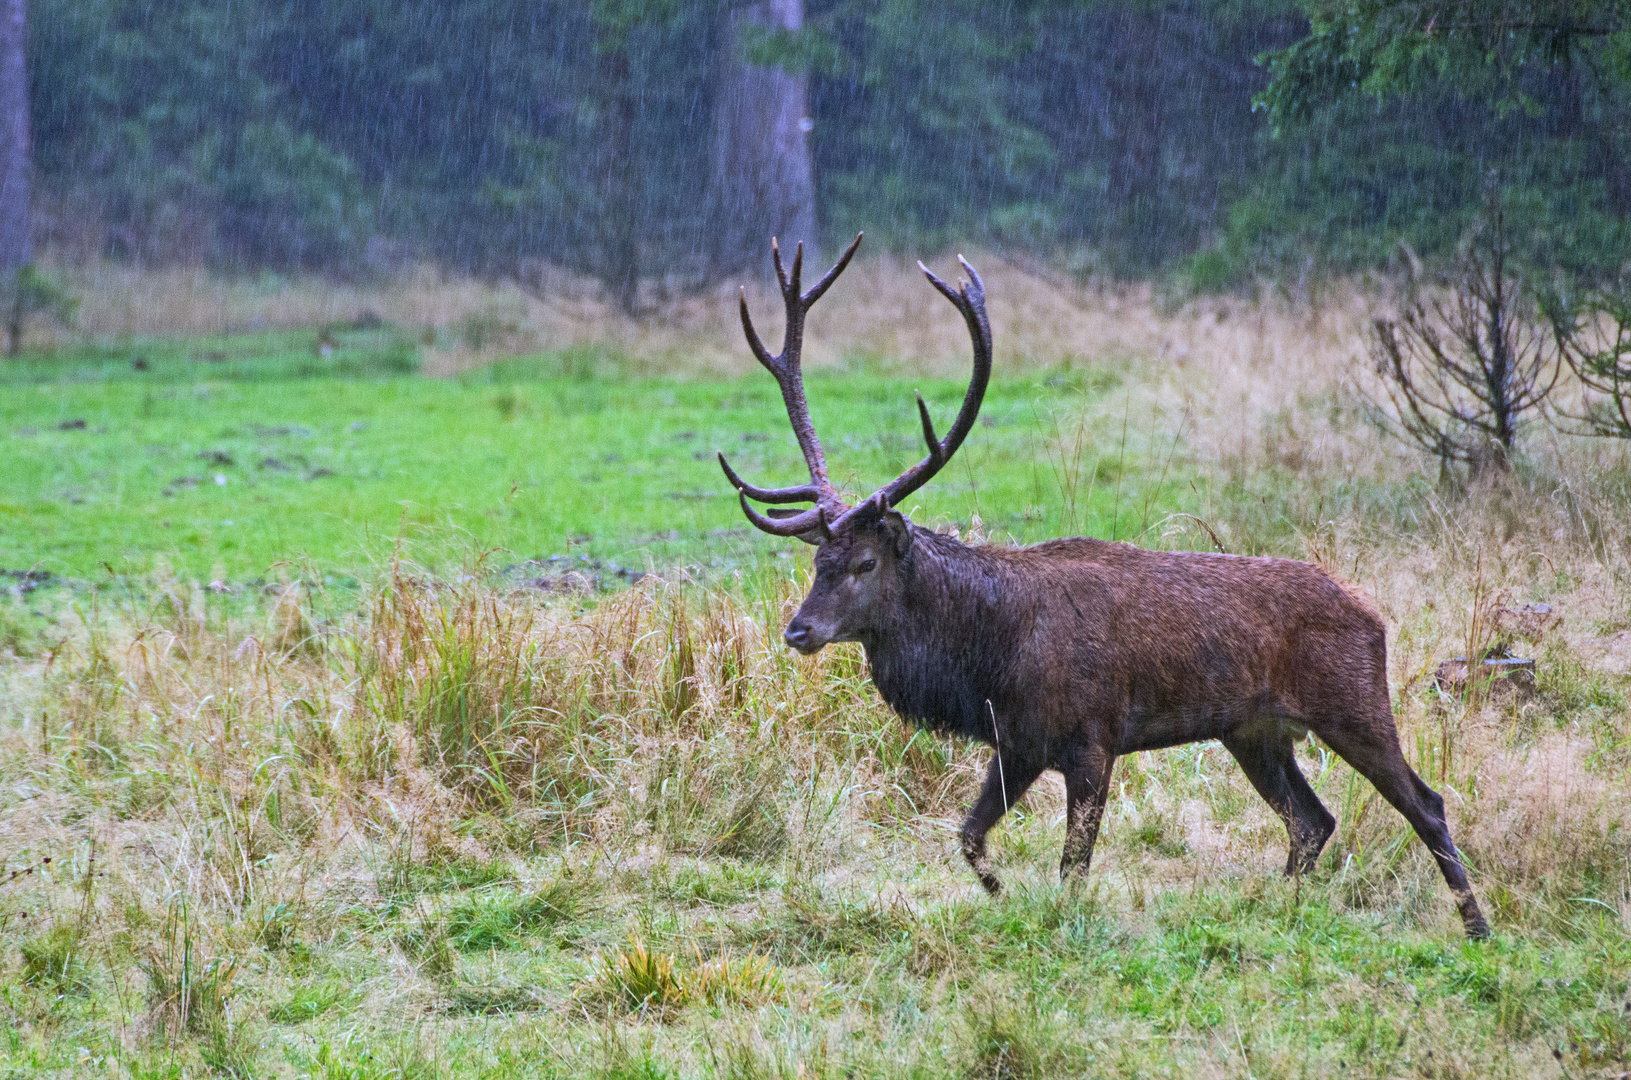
[{"x": 936, "y": 663}]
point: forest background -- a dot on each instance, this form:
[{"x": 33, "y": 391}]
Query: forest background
[{"x": 660, "y": 142}]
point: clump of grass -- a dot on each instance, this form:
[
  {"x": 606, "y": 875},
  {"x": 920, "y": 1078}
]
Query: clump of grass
[
  {"x": 425, "y": 941},
  {"x": 55, "y": 959},
  {"x": 920, "y": 776},
  {"x": 1156, "y": 829},
  {"x": 749, "y": 980},
  {"x": 753, "y": 828},
  {"x": 356, "y": 1058},
  {"x": 280, "y": 926},
  {"x": 307, "y": 1003},
  {"x": 187, "y": 993},
  {"x": 497, "y": 920},
  {"x": 1004, "y": 1043},
  {"x": 811, "y": 926},
  {"x": 616, "y": 1057},
  {"x": 228, "y": 1053},
  {"x": 638, "y": 978},
  {"x": 491, "y": 998}
]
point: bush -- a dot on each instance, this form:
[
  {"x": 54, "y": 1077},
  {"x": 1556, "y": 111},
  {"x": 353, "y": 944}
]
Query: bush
[
  {"x": 1467, "y": 360},
  {"x": 31, "y": 293}
]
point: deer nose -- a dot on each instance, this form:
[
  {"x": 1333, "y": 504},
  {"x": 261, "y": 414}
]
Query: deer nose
[{"x": 797, "y": 635}]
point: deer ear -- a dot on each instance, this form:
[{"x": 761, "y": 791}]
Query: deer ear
[{"x": 899, "y": 532}]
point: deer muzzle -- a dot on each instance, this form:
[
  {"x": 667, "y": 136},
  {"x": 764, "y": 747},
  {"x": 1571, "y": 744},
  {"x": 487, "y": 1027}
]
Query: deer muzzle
[{"x": 803, "y": 637}]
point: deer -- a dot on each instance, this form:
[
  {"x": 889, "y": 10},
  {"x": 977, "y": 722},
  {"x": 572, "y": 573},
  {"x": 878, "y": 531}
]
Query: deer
[{"x": 1068, "y": 654}]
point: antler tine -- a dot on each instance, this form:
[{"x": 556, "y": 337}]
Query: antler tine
[
  {"x": 831, "y": 276},
  {"x": 776, "y": 260},
  {"x": 760, "y": 353},
  {"x": 928, "y": 426},
  {"x": 796, "y": 493},
  {"x": 786, "y": 526},
  {"x": 969, "y": 299}
]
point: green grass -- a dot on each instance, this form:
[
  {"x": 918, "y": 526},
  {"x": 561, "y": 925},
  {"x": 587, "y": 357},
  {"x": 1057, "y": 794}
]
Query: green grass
[
  {"x": 225, "y": 469},
  {"x": 1244, "y": 974}
]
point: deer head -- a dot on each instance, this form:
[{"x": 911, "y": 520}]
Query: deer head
[{"x": 861, "y": 546}]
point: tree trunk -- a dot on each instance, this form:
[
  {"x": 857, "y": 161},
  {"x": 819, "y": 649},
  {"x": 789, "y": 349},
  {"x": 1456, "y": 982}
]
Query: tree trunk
[
  {"x": 16, "y": 245},
  {"x": 762, "y": 184},
  {"x": 620, "y": 248}
]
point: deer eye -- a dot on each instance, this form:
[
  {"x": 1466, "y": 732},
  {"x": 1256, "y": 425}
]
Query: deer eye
[{"x": 866, "y": 567}]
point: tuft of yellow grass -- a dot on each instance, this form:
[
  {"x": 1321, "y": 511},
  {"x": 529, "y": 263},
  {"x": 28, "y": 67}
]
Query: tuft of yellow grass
[{"x": 643, "y": 979}]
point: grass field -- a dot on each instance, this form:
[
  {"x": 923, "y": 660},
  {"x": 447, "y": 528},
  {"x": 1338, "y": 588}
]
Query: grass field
[
  {"x": 372, "y": 807},
  {"x": 266, "y": 452}
]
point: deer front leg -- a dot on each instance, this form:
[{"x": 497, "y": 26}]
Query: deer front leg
[
  {"x": 1087, "y": 784},
  {"x": 1005, "y": 783}
]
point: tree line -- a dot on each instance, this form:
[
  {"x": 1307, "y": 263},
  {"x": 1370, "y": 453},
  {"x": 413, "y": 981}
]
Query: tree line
[{"x": 663, "y": 141}]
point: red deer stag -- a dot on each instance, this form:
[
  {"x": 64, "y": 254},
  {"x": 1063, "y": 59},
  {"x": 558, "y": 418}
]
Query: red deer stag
[{"x": 1066, "y": 654}]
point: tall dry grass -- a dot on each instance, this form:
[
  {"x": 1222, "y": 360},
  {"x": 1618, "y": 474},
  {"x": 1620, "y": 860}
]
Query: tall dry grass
[{"x": 460, "y": 723}]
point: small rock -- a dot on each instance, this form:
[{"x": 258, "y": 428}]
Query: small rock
[
  {"x": 139, "y": 364},
  {"x": 27, "y": 580},
  {"x": 571, "y": 583},
  {"x": 299, "y": 431}
]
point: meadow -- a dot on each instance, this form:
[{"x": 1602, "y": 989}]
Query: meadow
[{"x": 461, "y": 741}]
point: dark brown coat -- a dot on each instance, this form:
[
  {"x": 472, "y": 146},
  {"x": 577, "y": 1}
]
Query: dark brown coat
[{"x": 1068, "y": 654}]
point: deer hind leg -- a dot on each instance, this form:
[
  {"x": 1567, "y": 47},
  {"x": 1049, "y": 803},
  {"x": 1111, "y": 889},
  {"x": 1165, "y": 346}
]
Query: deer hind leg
[
  {"x": 1087, "y": 784},
  {"x": 1270, "y": 763},
  {"x": 1374, "y": 752},
  {"x": 1005, "y": 783}
]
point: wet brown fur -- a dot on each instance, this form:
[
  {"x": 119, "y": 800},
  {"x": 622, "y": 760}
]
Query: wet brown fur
[{"x": 1070, "y": 653}]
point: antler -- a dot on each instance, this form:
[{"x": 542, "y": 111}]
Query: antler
[
  {"x": 785, "y": 366},
  {"x": 968, "y": 298},
  {"x": 830, "y": 510}
]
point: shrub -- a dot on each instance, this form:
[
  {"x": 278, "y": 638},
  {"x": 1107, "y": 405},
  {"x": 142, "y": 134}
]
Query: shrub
[{"x": 1467, "y": 360}]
